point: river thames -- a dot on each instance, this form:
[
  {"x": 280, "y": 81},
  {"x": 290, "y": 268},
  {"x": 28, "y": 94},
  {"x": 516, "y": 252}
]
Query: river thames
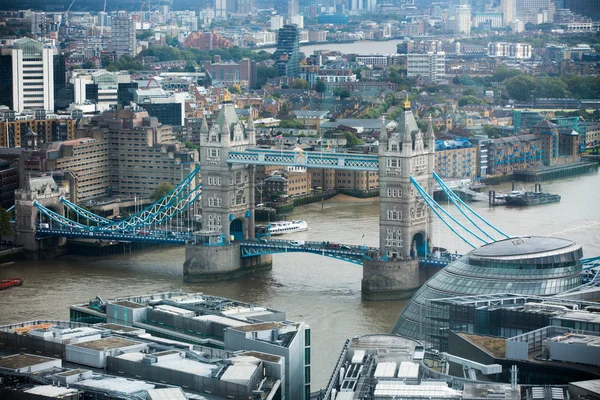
[
  {"x": 321, "y": 291},
  {"x": 358, "y": 47}
]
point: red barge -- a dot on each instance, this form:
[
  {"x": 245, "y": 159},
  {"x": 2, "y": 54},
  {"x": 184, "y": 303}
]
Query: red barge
[{"x": 7, "y": 283}]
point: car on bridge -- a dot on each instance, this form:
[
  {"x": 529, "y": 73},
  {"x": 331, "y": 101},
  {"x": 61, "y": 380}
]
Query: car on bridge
[{"x": 297, "y": 243}]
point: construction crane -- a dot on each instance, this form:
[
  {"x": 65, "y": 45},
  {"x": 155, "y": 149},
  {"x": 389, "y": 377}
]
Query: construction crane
[
  {"x": 102, "y": 19},
  {"x": 65, "y": 16}
]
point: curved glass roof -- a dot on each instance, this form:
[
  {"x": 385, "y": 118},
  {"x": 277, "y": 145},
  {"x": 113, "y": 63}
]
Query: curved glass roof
[
  {"x": 522, "y": 245},
  {"x": 554, "y": 268}
]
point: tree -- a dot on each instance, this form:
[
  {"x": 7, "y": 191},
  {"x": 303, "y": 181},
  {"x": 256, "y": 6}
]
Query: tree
[
  {"x": 521, "y": 87},
  {"x": 291, "y": 124},
  {"x": 320, "y": 86},
  {"x": 351, "y": 139},
  {"x": 469, "y": 92},
  {"x": 6, "y": 228},
  {"x": 468, "y": 100},
  {"x": 235, "y": 89},
  {"x": 343, "y": 94},
  {"x": 491, "y": 132},
  {"x": 299, "y": 84},
  {"x": 161, "y": 190},
  {"x": 89, "y": 64}
]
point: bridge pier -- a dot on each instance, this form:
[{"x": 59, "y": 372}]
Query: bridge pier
[
  {"x": 389, "y": 280},
  {"x": 217, "y": 263}
]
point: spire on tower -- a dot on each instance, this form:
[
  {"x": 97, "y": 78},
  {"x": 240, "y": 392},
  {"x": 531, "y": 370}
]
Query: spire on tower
[{"x": 406, "y": 103}]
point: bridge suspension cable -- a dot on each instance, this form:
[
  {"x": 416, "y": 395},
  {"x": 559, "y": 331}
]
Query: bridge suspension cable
[
  {"x": 82, "y": 212},
  {"x": 455, "y": 198},
  {"x": 64, "y": 221},
  {"x": 435, "y": 207}
]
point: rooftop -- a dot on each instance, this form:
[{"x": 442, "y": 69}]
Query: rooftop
[
  {"x": 259, "y": 327},
  {"x": 107, "y": 343},
  {"x": 495, "y": 346},
  {"x": 51, "y": 391},
  {"x": 19, "y": 361},
  {"x": 129, "y": 304},
  {"x": 520, "y": 246}
]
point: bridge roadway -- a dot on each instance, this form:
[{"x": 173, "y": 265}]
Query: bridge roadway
[{"x": 249, "y": 248}]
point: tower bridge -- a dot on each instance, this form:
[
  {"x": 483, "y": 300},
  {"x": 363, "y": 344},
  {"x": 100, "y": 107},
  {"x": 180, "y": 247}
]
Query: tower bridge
[{"x": 224, "y": 188}]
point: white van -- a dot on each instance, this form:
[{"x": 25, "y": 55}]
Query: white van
[{"x": 297, "y": 243}]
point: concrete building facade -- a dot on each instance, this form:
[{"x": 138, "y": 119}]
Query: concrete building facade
[
  {"x": 122, "y": 38},
  {"x": 430, "y": 66}
]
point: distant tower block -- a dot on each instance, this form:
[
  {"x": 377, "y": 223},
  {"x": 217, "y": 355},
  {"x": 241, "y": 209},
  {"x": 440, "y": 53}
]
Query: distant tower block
[{"x": 405, "y": 221}]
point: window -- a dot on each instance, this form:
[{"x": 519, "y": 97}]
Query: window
[
  {"x": 213, "y": 152},
  {"x": 394, "y": 215},
  {"x": 393, "y": 192}
]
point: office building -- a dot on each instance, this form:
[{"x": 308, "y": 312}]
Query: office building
[
  {"x": 9, "y": 182},
  {"x": 122, "y": 37},
  {"x": 495, "y": 19},
  {"x": 509, "y": 50},
  {"x": 216, "y": 323},
  {"x": 168, "y": 107},
  {"x": 508, "y": 9},
  {"x": 292, "y": 8},
  {"x": 220, "y": 9},
  {"x": 242, "y": 73},
  {"x": 369, "y": 6},
  {"x": 541, "y": 266},
  {"x": 87, "y": 159},
  {"x": 245, "y": 6},
  {"x": 27, "y": 72},
  {"x": 589, "y": 8},
  {"x": 534, "y": 11},
  {"x": 143, "y": 153},
  {"x": 276, "y": 22},
  {"x": 463, "y": 20},
  {"x": 430, "y": 66},
  {"x": 287, "y": 55},
  {"x": 100, "y": 87}
]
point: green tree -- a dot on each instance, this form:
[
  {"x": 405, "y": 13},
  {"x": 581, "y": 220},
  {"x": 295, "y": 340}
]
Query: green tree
[
  {"x": 89, "y": 64},
  {"x": 521, "y": 87},
  {"x": 343, "y": 94},
  {"x": 6, "y": 228},
  {"x": 299, "y": 84},
  {"x": 351, "y": 139},
  {"x": 491, "y": 131},
  {"x": 469, "y": 92},
  {"x": 235, "y": 89},
  {"x": 468, "y": 100},
  {"x": 263, "y": 74},
  {"x": 161, "y": 190},
  {"x": 144, "y": 34},
  {"x": 320, "y": 86},
  {"x": 291, "y": 123}
]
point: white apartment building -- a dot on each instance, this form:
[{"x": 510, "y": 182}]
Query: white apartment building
[
  {"x": 509, "y": 50},
  {"x": 100, "y": 87},
  {"x": 276, "y": 22},
  {"x": 508, "y": 9},
  {"x": 496, "y": 19},
  {"x": 430, "y": 66},
  {"x": 376, "y": 60},
  {"x": 463, "y": 20},
  {"x": 32, "y": 74}
]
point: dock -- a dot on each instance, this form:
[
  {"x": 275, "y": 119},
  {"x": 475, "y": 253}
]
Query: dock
[{"x": 555, "y": 172}]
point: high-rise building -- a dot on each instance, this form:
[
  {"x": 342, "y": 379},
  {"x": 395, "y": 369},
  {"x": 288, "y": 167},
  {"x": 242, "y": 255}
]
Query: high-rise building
[
  {"x": 463, "y": 20},
  {"x": 245, "y": 6},
  {"x": 534, "y": 11},
  {"x": 123, "y": 36},
  {"x": 220, "y": 8},
  {"x": 589, "y": 8},
  {"x": 430, "y": 66},
  {"x": 276, "y": 22},
  {"x": 363, "y": 5},
  {"x": 287, "y": 55},
  {"x": 292, "y": 8},
  {"x": 508, "y": 9},
  {"x": 27, "y": 69}
]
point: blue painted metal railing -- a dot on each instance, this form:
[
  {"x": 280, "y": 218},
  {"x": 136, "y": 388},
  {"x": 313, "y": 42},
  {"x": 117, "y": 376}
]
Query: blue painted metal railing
[{"x": 309, "y": 159}]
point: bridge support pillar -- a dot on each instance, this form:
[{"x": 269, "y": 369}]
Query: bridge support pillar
[
  {"x": 390, "y": 280},
  {"x": 218, "y": 263}
]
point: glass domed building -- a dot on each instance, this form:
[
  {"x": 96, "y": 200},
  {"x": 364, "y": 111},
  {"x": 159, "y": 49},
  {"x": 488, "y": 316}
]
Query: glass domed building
[{"x": 531, "y": 265}]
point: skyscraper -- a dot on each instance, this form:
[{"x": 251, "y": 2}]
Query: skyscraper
[
  {"x": 287, "y": 55},
  {"x": 589, "y": 8},
  {"x": 245, "y": 6},
  {"x": 463, "y": 19},
  {"x": 123, "y": 35},
  {"x": 220, "y": 8},
  {"x": 508, "y": 9},
  {"x": 292, "y": 8},
  {"x": 30, "y": 66}
]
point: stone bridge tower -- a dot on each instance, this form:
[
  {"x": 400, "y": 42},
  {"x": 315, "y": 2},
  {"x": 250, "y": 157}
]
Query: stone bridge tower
[
  {"x": 228, "y": 192},
  {"x": 405, "y": 221},
  {"x": 46, "y": 192}
]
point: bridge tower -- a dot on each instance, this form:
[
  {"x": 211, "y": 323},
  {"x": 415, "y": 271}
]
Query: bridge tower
[
  {"x": 46, "y": 192},
  {"x": 228, "y": 192},
  {"x": 405, "y": 222}
]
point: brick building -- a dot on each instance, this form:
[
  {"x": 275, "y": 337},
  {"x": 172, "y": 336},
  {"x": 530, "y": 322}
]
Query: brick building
[
  {"x": 242, "y": 73},
  {"x": 9, "y": 182},
  {"x": 515, "y": 152},
  {"x": 206, "y": 41}
]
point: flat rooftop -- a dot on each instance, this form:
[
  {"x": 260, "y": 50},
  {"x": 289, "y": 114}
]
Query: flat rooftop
[
  {"x": 129, "y": 304},
  {"x": 72, "y": 372},
  {"x": 259, "y": 327},
  {"x": 18, "y": 361},
  {"x": 117, "y": 327},
  {"x": 496, "y": 346},
  {"x": 262, "y": 356},
  {"x": 107, "y": 343}
]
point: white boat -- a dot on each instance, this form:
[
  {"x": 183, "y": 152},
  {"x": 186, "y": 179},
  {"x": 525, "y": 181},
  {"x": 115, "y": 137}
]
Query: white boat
[{"x": 283, "y": 227}]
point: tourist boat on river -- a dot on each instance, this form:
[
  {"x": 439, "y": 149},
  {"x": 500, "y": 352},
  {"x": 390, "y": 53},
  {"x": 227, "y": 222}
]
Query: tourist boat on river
[
  {"x": 8, "y": 283},
  {"x": 281, "y": 228},
  {"x": 523, "y": 198}
]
